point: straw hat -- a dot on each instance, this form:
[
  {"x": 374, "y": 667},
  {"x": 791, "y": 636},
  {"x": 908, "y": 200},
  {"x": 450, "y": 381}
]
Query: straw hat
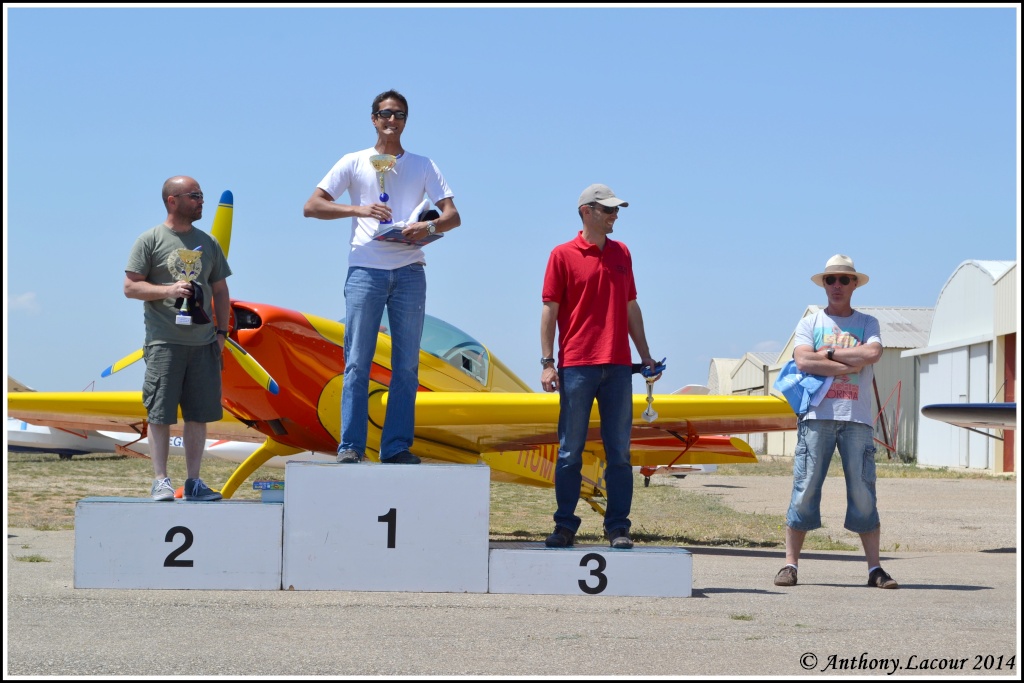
[{"x": 840, "y": 264}]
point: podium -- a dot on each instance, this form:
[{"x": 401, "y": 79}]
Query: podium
[
  {"x": 354, "y": 527},
  {"x": 590, "y": 570},
  {"x": 374, "y": 527},
  {"x": 140, "y": 543}
]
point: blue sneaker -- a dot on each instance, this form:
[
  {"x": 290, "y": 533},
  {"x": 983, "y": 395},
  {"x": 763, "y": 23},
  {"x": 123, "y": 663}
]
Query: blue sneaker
[
  {"x": 162, "y": 489},
  {"x": 196, "y": 489},
  {"x": 403, "y": 458}
]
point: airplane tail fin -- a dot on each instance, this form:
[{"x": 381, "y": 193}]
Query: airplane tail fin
[{"x": 15, "y": 385}]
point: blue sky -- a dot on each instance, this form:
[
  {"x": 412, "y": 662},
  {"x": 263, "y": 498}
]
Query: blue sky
[{"x": 751, "y": 143}]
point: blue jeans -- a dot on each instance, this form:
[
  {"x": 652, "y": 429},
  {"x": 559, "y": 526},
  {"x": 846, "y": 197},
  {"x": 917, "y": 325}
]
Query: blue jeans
[
  {"x": 367, "y": 292},
  {"x": 817, "y": 440},
  {"x": 578, "y": 387}
]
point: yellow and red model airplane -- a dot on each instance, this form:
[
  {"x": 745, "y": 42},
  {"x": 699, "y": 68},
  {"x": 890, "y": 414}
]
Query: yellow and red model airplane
[{"x": 282, "y": 385}]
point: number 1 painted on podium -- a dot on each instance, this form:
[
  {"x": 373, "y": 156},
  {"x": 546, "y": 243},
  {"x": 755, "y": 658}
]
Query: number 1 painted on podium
[{"x": 390, "y": 518}]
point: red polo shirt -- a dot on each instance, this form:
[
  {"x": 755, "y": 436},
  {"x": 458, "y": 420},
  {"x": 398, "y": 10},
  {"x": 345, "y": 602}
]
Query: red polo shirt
[{"x": 592, "y": 288}]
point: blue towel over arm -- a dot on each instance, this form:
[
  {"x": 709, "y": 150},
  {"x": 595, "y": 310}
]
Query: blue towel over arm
[{"x": 802, "y": 391}]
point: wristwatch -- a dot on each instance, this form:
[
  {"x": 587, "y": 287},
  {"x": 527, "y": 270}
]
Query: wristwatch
[
  {"x": 544, "y": 362},
  {"x": 830, "y": 352},
  {"x": 224, "y": 332},
  {"x": 431, "y": 227}
]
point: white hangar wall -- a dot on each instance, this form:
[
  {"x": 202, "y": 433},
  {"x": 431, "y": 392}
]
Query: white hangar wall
[{"x": 970, "y": 358}]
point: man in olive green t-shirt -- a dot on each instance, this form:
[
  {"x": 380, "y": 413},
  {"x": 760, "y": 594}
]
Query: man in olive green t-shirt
[{"x": 182, "y": 351}]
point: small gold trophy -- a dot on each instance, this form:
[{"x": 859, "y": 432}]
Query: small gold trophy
[
  {"x": 185, "y": 265},
  {"x": 383, "y": 163}
]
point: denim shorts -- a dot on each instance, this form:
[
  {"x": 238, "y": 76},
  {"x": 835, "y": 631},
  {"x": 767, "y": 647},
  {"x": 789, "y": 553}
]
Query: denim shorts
[
  {"x": 188, "y": 376},
  {"x": 817, "y": 440}
]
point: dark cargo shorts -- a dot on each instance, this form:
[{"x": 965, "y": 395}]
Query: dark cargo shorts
[{"x": 188, "y": 376}]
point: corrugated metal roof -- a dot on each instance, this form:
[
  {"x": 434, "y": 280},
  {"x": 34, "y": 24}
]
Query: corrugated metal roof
[
  {"x": 994, "y": 268},
  {"x": 902, "y": 327},
  {"x": 765, "y": 357}
]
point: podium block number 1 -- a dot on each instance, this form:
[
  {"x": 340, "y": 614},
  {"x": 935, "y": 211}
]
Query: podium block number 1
[
  {"x": 391, "y": 520},
  {"x": 341, "y": 527}
]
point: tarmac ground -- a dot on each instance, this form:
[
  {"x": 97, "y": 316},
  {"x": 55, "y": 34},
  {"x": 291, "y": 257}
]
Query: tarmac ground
[{"x": 951, "y": 544}]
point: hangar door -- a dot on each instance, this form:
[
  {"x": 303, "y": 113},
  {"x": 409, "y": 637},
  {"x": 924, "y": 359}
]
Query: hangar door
[{"x": 954, "y": 376}]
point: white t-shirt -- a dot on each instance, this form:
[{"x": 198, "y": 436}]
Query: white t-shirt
[
  {"x": 849, "y": 397},
  {"x": 411, "y": 178}
]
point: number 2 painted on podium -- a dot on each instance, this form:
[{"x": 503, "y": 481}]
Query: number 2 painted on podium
[{"x": 172, "y": 559}]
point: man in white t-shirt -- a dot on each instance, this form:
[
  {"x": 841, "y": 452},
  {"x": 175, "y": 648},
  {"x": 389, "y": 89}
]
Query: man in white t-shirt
[
  {"x": 383, "y": 275},
  {"x": 843, "y": 344}
]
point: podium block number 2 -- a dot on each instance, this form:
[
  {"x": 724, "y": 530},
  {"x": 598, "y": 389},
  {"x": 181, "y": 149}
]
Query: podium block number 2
[{"x": 172, "y": 559}]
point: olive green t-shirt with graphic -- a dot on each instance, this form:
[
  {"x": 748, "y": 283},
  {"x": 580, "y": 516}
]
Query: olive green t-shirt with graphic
[{"x": 155, "y": 256}]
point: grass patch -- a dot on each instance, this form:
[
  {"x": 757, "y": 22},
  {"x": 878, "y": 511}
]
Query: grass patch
[
  {"x": 31, "y": 558},
  {"x": 742, "y": 617},
  {"x": 43, "y": 489},
  {"x": 661, "y": 515}
]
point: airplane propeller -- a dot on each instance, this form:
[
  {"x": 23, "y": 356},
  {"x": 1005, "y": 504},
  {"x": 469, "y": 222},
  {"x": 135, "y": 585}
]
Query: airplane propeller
[
  {"x": 123, "y": 363},
  {"x": 221, "y": 231},
  {"x": 252, "y": 367},
  {"x": 244, "y": 358}
]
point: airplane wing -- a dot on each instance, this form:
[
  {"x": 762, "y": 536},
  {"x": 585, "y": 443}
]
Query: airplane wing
[
  {"x": 114, "y": 411},
  {"x": 974, "y": 415},
  {"x": 23, "y": 437},
  {"x": 516, "y": 433},
  {"x": 470, "y": 422},
  {"x": 482, "y": 422}
]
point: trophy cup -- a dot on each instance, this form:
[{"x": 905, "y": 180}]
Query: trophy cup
[
  {"x": 652, "y": 376},
  {"x": 383, "y": 163},
  {"x": 185, "y": 265}
]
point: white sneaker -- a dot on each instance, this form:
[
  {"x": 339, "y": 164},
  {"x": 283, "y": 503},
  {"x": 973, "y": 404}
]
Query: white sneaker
[{"x": 162, "y": 489}]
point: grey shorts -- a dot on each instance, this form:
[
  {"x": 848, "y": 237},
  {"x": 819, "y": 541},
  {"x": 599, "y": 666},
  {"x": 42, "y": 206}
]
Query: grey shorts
[{"x": 188, "y": 376}]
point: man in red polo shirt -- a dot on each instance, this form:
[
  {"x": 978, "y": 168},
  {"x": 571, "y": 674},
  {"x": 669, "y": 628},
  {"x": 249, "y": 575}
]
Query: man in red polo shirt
[{"x": 590, "y": 294}]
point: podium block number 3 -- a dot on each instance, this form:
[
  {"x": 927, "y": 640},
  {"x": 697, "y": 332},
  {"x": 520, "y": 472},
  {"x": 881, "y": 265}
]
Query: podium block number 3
[{"x": 598, "y": 571}]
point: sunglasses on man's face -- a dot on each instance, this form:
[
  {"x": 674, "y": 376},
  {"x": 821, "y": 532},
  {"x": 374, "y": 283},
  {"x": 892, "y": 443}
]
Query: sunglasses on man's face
[
  {"x": 843, "y": 279},
  {"x": 607, "y": 209},
  {"x": 388, "y": 113}
]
